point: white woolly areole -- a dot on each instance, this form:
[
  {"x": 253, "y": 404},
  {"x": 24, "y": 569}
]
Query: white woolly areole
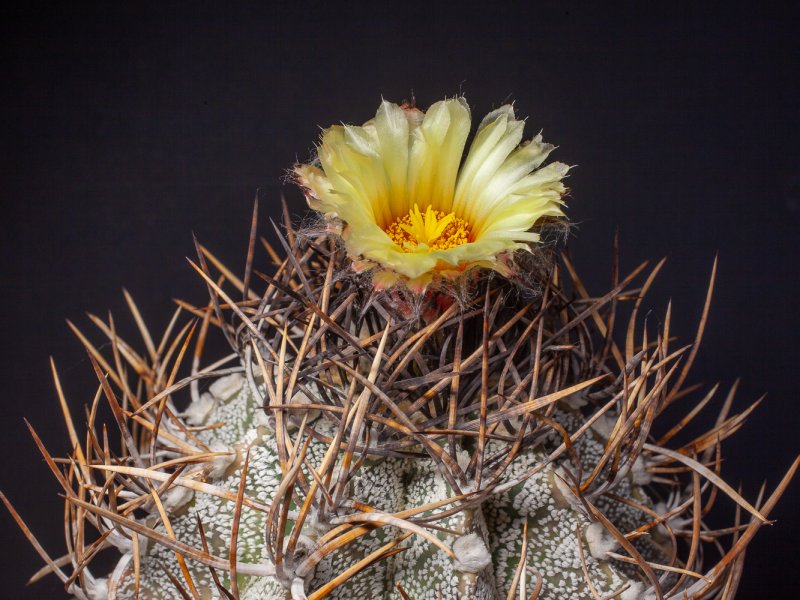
[
  {"x": 299, "y": 589},
  {"x": 256, "y": 370},
  {"x": 176, "y": 497},
  {"x": 604, "y": 425},
  {"x": 639, "y": 472},
  {"x": 600, "y": 540},
  {"x": 472, "y": 555},
  {"x": 563, "y": 492},
  {"x": 314, "y": 526},
  {"x": 197, "y": 412},
  {"x": 677, "y": 521},
  {"x": 100, "y": 589},
  {"x": 296, "y": 416},
  {"x": 225, "y": 387},
  {"x": 221, "y": 463},
  {"x": 262, "y": 419},
  {"x": 96, "y": 589},
  {"x": 576, "y": 400},
  {"x": 463, "y": 458},
  {"x": 634, "y": 592}
]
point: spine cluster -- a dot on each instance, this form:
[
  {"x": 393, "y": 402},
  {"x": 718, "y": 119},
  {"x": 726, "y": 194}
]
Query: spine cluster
[{"x": 357, "y": 443}]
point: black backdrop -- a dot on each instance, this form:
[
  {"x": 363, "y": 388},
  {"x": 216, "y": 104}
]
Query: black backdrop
[{"x": 124, "y": 132}]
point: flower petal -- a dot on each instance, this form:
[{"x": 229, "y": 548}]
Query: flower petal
[
  {"x": 318, "y": 189},
  {"x": 520, "y": 163},
  {"x": 351, "y": 160},
  {"x": 531, "y": 198},
  {"x": 498, "y": 134},
  {"x": 436, "y": 150},
  {"x": 392, "y": 133},
  {"x": 372, "y": 175}
]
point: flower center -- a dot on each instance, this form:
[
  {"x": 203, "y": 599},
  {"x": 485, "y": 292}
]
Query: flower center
[{"x": 431, "y": 230}]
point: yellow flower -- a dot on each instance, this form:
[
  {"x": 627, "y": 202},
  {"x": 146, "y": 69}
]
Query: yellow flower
[{"x": 408, "y": 206}]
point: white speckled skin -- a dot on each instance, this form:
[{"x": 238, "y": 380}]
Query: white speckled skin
[{"x": 391, "y": 484}]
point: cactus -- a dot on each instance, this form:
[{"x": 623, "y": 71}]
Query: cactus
[
  {"x": 383, "y": 445},
  {"x": 488, "y": 437}
]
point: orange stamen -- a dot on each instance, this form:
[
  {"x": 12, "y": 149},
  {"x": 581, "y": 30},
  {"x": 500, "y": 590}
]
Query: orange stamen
[{"x": 431, "y": 230}]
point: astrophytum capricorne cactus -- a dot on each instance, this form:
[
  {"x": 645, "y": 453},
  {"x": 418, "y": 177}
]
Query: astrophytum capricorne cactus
[{"x": 422, "y": 401}]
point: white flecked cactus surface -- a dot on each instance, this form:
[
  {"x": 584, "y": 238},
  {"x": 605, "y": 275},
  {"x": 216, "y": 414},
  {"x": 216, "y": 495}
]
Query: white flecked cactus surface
[
  {"x": 492, "y": 442},
  {"x": 562, "y": 538}
]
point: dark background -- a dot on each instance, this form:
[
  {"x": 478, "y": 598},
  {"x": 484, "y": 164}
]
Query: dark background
[{"x": 124, "y": 132}]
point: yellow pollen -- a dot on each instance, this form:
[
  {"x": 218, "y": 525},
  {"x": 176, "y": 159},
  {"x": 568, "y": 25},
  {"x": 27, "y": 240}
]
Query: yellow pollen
[{"x": 431, "y": 230}]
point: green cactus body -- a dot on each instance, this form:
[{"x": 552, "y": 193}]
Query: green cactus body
[
  {"x": 492, "y": 446},
  {"x": 556, "y": 523}
]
